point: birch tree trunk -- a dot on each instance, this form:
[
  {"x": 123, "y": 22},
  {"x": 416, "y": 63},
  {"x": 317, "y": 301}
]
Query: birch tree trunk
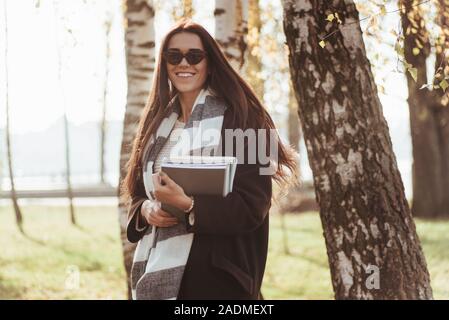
[
  {"x": 18, "y": 213},
  {"x": 231, "y": 27},
  {"x": 68, "y": 167},
  {"x": 140, "y": 59},
  {"x": 254, "y": 56},
  {"x": 294, "y": 128},
  {"x": 428, "y": 117},
  {"x": 373, "y": 249},
  {"x": 65, "y": 120},
  {"x": 107, "y": 25}
]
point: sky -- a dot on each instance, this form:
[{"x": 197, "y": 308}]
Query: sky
[
  {"x": 37, "y": 97},
  {"x": 38, "y": 39}
]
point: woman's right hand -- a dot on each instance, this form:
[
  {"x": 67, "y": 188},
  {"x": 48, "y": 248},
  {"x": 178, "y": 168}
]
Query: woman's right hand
[{"x": 151, "y": 211}]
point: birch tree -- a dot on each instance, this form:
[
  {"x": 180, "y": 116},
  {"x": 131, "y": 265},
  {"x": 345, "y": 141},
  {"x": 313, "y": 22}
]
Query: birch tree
[
  {"x": 18, "y": 213},
  {"x": 373, "y": 249},
  {"x": 65, "y": 120},
  {"x": 254, "y": 54},
  {"x": 107, "y": 26},
  {"x": 140, "y": 60},
  {"x": 231, "y": 27}
]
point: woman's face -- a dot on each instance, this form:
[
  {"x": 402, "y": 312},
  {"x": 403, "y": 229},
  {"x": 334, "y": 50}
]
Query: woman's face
[{"x": 185, "y": 77}]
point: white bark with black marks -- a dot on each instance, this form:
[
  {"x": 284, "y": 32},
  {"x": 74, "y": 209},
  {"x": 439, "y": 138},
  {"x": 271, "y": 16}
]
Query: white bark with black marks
[
  {"x": 140, "y": 60},
  {"x": 365, "y": 216},
  {"x": 231, "y": 27}
]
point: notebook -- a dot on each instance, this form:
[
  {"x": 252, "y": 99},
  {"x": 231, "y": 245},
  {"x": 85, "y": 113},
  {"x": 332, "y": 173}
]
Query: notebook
[{"x": 199, "y": 175}]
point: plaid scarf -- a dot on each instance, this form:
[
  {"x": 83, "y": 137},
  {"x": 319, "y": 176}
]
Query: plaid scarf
[{"x": 161, "y": 254}]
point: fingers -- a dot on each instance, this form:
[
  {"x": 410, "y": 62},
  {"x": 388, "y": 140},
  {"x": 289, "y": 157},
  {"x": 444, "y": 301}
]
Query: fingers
[
  {"x": 156, "y": 180},
  {"x": 160, "y": 187},
  {"x": 164, "y": 214},
  {"x": 161, "y": 218},
  {"x": 165, "y": 179}
]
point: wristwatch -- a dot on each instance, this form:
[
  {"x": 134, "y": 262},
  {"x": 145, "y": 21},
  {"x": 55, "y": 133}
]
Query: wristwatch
[
  {"x": 191, "y": 218},
  {"x": 189, "y": 212}
]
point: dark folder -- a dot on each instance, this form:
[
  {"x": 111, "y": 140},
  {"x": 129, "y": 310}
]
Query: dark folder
[{"x": 200, "y": 176}]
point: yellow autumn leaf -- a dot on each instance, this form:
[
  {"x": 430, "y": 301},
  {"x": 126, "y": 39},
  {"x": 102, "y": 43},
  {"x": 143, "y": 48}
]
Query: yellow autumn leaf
[
  {"x": 338, "y": 18},
  {"x": 330, "y": 17},
  {"x": 413, "y": 73},
  {"x": 383, "y": 10},
  {"x": 322, "y": 43},
  {"x": 373, "y": 22},
  {"x": 444, "y": 84},
  {"x": 399, "y": 49},
  {"x": 418, "y": 43},
  {"x": 415, "y": 51}
]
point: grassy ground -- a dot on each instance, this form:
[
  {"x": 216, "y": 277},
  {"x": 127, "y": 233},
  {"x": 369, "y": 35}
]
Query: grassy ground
[
  {"x": 59, "y": 261},
  {"x": 45, "y": 264}
]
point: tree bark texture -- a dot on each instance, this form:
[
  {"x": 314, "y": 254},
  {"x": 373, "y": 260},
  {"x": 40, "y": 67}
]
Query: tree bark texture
[
  {"x": 373, "y": 249},
  {"x": 140, "y": 59}
]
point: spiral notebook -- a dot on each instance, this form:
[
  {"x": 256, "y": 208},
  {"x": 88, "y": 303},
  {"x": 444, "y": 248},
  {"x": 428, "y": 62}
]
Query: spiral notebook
[{"x": 199, "y": 175}]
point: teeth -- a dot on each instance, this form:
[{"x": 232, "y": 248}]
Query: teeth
[{"x": 185, "y": 74}]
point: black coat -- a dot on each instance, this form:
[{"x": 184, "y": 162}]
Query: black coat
[{"x": 229, "y": 250}]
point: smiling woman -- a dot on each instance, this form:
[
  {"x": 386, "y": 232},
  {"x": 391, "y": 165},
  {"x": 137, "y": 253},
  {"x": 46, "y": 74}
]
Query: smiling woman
[
  {"x": 219, "y": 249},
  {"x": 187, "y": 68}
]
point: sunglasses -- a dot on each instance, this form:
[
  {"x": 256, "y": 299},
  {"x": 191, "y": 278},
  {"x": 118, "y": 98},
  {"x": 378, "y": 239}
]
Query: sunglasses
[{"x": 193, "y": 56}]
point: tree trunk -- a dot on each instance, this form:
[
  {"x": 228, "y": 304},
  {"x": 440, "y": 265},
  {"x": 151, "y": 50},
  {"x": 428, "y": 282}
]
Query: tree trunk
[
  {"x": 18, "y": 213},
  {"x": 67, "y": 167},
  {"x": 140, "y": 59},
  {"x": 373, "y": 249},
  {"x": 442, "y": 100},
  {"x": 254, "y": 63},
  {"x": 231, "y": 19},
  {"x": 65, "y": 120},
  {"x": 294, "y": 128},
  {"x": 429, "y": 142},
  {"x": 108, "y": 23}
]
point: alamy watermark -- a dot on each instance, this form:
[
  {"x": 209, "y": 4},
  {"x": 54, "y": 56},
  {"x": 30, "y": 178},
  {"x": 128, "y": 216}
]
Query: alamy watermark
[
  {"x": 373, "y": 280},
  {"x": 261, "y": 145},
  {"x": 72, "y": 280}
]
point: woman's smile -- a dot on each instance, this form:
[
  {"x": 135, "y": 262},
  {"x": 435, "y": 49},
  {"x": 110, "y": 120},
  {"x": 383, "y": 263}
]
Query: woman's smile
[{"x": 185, "y": 75}]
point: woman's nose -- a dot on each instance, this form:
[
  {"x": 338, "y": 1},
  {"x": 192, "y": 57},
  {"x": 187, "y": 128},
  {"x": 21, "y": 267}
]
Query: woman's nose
[{"x": 184, "y": 62}]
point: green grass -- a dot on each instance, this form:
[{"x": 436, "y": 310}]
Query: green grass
[
  {"x": 40, "y": 265},
  {"x": 304, "y": 273},
  {"x": 43, "y": 265}
]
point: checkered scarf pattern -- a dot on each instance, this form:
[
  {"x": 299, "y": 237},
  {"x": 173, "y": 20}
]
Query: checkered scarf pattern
[{"x": 161, "y": 255}]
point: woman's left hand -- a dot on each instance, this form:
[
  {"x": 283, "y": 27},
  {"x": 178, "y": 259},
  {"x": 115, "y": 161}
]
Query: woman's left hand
[{"x": 169, "y": 192}]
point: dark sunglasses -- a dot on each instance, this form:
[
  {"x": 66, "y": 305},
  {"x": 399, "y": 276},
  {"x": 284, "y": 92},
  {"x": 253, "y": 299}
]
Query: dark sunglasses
[{"x": 193, "y": 56}]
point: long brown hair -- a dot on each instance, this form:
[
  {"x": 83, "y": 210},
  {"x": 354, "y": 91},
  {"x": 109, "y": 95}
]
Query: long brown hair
[{"x": 227, "y": 84}]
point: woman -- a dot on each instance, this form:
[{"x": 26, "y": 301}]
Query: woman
[{"x": 219, "y": 250}]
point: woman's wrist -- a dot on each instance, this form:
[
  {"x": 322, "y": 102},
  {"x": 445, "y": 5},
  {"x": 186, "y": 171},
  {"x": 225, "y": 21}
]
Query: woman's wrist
[{"x": 185, "y": 203}]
